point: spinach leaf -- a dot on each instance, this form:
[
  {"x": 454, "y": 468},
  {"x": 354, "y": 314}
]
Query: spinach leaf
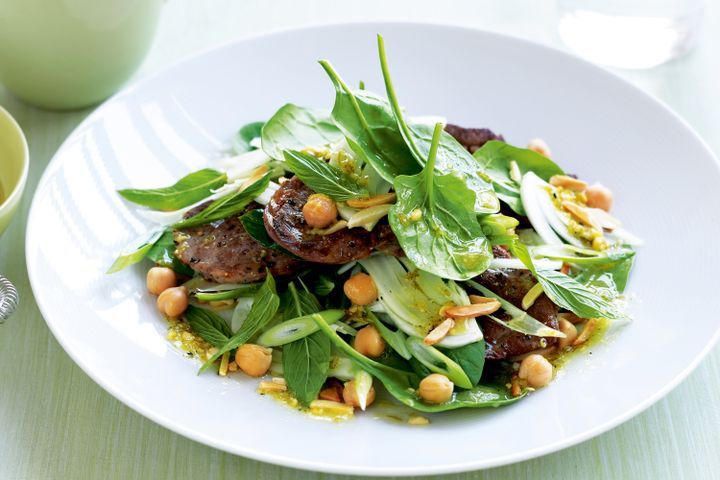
[
  {"x": 210, "y": 326},
  {"x": 294, "y": 128},
  {"x": 246, "y": 134},
  {"x": 495, "y": 160},
  {"x": 402, "y": 384},
  {"x": 305, "y": 361},
  {"x": 255, "y": 227},
  {"x": 322, "y": 285},
  {"x": 227, "y": 206},
  {"x": 452, "y": 157},
  {"x": 470, "y": 357},
  {"x": 436, "y": 225},
  {"x": 137, "y": 251},
  {"x": 394, "y": 338},
  {"x": 188, "y": 190},
  {"x": 264, "y": 307},
  {"x": 322, "y": 177},
  {"x": 370, "y": 129},
  {"x": 163, "y": 253},
  {"x": 567, "y": 292},
  {"x": 437, "y": 362}
]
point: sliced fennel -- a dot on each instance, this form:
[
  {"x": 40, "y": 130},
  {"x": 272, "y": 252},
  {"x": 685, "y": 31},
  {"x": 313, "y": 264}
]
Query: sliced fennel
[
  {"x": 530, "y": 190},
  {"x": 412, "y": 298},
  {"x": 363, "y": 383}
]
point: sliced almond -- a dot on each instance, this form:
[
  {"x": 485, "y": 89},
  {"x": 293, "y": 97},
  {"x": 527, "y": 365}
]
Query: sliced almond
[
  {"x": 568, "y": 182},
  {"x": 581, "y": 214},
  {"x": 604, "y": 219},
  {"x": 381, "y": 199},
  {"x": 586, "y": 332},
  {"x": 439, "y": 332},
  {"x": 327, "y": 407},
  {"x": 477, "y": 299},
  {"x": 271, "y": 387},
  {"x": 474, "y": 310}
]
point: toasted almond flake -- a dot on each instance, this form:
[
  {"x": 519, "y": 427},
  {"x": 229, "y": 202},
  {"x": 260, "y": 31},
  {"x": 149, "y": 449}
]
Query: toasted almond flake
[
  {"x": 414, "y": 419},
  {"x": 586, "y": 332},
  {"x": 538, "y": 145},
  {"x": 439, "y": 332},
  {"x": 474, "y": 310},
  {"x": 581, "y": 214},
  {"x": 604, "y": 219},
  {"x": 278, "y": 380},
  {"x": 568, "y": 182},
  {"x": 477, "y": 299},
  {"x": 381, "y": 199},
  {"x": 271, "y": 387},
  {"x": 320, "y": 407},
  {"x": 224, "y": 361},
  {"x": 531, "y": 295}
]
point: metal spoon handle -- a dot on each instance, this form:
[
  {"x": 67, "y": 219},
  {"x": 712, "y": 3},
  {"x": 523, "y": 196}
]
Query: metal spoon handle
[{"x": 8, "y": 298}]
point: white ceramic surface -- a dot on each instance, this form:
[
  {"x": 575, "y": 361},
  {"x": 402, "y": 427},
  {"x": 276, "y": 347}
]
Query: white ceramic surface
[{"x": 664, "y": 177}]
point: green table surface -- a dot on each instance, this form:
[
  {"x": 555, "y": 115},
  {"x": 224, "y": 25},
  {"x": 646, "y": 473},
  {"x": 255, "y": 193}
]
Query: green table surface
[{"x": 57, "y": 423}]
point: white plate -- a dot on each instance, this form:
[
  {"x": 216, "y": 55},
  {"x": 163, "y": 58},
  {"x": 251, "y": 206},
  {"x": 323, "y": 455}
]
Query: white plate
[{"x": 667, "y": 188}]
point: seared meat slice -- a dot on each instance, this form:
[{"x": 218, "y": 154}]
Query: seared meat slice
[
  {"x": 472, "y": 138},
  {"x": 512, "y": 285},
  {"x": 285, "y": 223},
  {"x": 224, "y": 252}
]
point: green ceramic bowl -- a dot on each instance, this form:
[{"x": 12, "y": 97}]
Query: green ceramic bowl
[{"x": 14, "y": 164}]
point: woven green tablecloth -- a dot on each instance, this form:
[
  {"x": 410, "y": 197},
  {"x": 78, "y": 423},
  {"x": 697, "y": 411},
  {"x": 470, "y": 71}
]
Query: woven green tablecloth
[{"x": 57, "y": 423}]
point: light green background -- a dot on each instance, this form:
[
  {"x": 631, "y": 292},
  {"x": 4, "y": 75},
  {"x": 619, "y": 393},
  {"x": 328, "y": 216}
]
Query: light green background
[{"x": 56, "y": 423}]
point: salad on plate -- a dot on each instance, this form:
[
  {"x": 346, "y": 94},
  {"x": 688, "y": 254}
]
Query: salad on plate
[{"x": 340, "y": 251}]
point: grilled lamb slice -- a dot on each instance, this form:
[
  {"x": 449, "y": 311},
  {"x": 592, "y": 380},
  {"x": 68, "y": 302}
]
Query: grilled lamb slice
[
  {"x": 285, "y": 223},
  {"x": 512, "y": 285},
  {"x": 472, "y": 138},
  {"x": 223, "y": 252}
]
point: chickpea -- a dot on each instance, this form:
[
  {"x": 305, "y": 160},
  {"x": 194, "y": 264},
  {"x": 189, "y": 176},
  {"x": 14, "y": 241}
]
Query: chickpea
[
  {"x": 320, "y": 211},
  {"x": 361, "y": 289},
  {"x": 173, "y": 301},
  {"x": 536, "y": 370},
  {"x": 599, "y": 196},
  {"x": 570, "y": 332},
  {"x": 350, "y": 395},
  {"x": 436, "y": 388},
  {"x": 369, "y": 342},
  {"x": 538, "y": 145},
  {"x": 253, "y": 359},
  {"x": 160, "y": 279}
]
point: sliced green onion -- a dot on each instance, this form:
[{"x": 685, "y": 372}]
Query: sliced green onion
[
  {"x": 297, "y": 328},
  {"x": 532, "y": 295}
]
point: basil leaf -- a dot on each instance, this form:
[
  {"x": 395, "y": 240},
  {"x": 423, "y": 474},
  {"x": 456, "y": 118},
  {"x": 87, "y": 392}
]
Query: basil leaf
[
  {"x": 369, "y": 126},
  {"x": 188, "y": 190},
  {"x": 494, "y": 158},
  {"x": 246, "y": 134},
  {"x": 264, "y": 307},
  {"x": 226, "y": 206},
  {"x": 446, "y": 240},
  {"x": 210, "y": 326},
  {"x": 437, "y": 362},
  {"x": 137, "y": 252},
  {"x": 402, "y": 384},
  {"x": 322, "y": 177},
  {"x": 305, "y": 366},
  {"x": 451, "y": 157},
  {"x": 163, "y": 254},
  {"x": 255, "y": 227},
  {"x": 294, "y": 128},
  {"x": 471, "y": 359}
]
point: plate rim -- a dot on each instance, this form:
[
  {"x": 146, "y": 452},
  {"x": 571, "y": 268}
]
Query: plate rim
[{"x": 368, "y": 470}]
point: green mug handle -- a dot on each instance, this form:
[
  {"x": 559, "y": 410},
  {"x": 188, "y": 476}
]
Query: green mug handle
[{"x": 8, "y": 298}]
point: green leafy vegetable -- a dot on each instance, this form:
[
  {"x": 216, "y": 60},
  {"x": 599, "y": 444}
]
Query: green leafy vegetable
[
  {"x": 435, "y": 361},
  {"x": 294, "y": 128},
  {"x": 136, "y": 252},
  {"x": 322, "y": 285},
  {"x": 227, "y": 206},
  {"x": 322, "y": 177},
  {"x": 396, "y": 338},
  {"x": 402, "y": 384},
  {"x": 188, "y": 190},
  {"x": 471, "y": 359},
  {"x": 370, "y": 129},
  {"x": 210, "y": 326},
  {"x": 297, "y": 328},
  {"x": 255, "y": 227},
  {"x": 436, "y": 225},
  {"x": 246, "y": 134},
  {"x": 451, "y": 157},
  {"x": 163, "y": 253},
  {"x": 495, "y": 159},
  {"x": 264, "y": 307}
]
